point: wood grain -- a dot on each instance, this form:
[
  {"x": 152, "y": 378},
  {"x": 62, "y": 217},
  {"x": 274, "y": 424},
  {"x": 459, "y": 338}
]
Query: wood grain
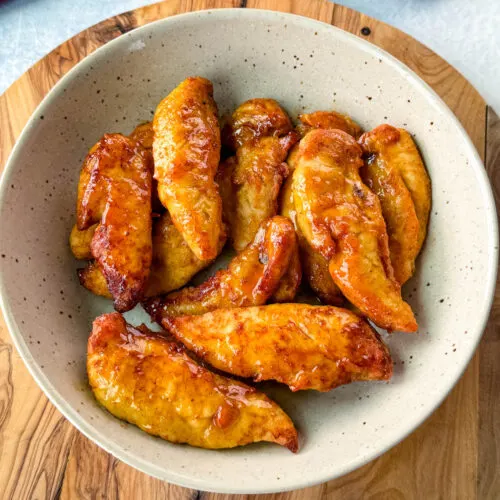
[
  {"x": 92, "y": 473},
  {"x": 454, "y": 454},
  {"x": 489, "y": 351}
]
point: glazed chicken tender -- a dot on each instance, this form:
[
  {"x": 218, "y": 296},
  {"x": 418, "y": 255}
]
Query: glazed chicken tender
[
  {"x": 186, "y": 150},
  {"x": 148, "y": 380},
  {"x": 302, "y": 346},
  {"x": 394, "y": 171},
  {"x": 261, "y": 133},
  {"x": 144, "y": 135},
  {"x": 342, "y": 219},
  {"x": 290, "y": 282},
  {"x": 250, "y": 279},
  {"x": 80, "y": 242},
  {"x": 328, "y": 120},
  {"x": 174, "y": 263},
  {"x": 92, "y": 279},
  {"x": 323, "y": 120},
  {"x": 115, "y": 191},
  {"x": 313, "y": 265}
]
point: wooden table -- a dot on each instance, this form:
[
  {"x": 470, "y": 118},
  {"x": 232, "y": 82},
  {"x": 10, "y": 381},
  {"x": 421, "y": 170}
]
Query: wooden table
[{"x": 455, "y": 454}]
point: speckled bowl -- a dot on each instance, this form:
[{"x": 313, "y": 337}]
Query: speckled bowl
[{"x": 306, "y": 65}]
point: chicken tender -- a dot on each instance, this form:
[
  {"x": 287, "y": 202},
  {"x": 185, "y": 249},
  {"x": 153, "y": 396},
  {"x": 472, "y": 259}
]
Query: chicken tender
[
  {"x": 302, "y": 346},
  {"x": 148, "y": 380},
  {"x": 224, "y": 179},
  {"x": 314, "y": 266},
  {"x": 290, "y": 282},
  {"x": 261, "y": 132},
  {"x": 186, "y": 150},
  {"x": 174, "y": 263},
  {"x": 342, "y": 219},
  {"x": 328, "y": 120},
  {"x": 80, "y": 241},
  {"x": 115, "y": 191},
  {"x": 396, "y": 173},
  {"x": 144, "y": 135},
  {"x": 250, "y": 279},
  {"x": 323, "y": 120},
  {"x": 92, "y": 279},
  {"x": 254, "y": 119}
]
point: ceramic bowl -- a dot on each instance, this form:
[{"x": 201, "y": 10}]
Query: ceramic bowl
[{"x": 306, "y": 65}]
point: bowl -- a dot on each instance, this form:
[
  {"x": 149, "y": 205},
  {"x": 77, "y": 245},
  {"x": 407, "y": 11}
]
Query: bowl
[{"x": 306, "y": 65}]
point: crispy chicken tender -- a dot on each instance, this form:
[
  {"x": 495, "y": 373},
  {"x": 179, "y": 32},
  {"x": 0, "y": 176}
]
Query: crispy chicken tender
[
  {"x": 302, "y": 346},
  {"x": 250, "y": 279},
  {"x": 186, "y": 150},
  {"x": 148, "y": 380},
  {"x": 314, "y": 266},
  {"x": 261, "y": 133},
  {"x": 342, "y": 219},
  {"x": 396, "y": 173},
  {"x": 115, "y": 191},
  {"x": 174, "y": 263}
]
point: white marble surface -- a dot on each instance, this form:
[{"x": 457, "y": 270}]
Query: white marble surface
[{"x": 464, "y": 32}]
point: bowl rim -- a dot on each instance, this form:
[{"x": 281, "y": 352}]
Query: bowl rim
[{"x": 187, "y": 480}]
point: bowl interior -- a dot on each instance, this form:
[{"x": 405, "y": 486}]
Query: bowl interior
[{"x": 306, "y": 66}]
